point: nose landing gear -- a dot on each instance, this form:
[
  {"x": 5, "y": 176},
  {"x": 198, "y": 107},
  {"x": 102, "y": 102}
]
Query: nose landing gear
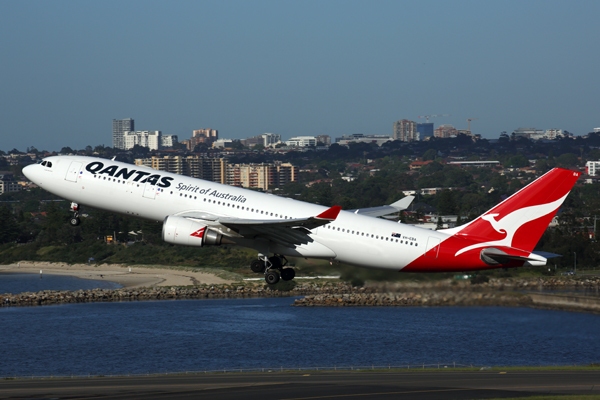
[
  {"x": 74, "y": 221},
  {"x": 273, "y": 268}
]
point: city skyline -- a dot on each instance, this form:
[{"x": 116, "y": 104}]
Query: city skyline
[{"x": 294, "y": 69}]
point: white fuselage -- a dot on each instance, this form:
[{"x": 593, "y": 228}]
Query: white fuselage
[{"x": 147, "y": 193}]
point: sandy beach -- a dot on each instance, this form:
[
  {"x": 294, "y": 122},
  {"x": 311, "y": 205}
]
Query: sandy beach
[{"x": 125, "y": 275}]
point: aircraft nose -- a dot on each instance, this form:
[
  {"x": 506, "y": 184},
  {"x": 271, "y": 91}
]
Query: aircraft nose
[{"x": 29, "y": 172}]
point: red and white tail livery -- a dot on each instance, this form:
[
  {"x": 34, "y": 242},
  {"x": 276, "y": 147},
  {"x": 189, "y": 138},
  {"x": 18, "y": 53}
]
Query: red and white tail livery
[
  {"x": 506, "y": 235},
  {"x": 199, "y": 213}
]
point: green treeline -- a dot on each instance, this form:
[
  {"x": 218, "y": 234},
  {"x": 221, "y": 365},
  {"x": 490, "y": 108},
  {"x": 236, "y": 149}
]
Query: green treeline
[{"x": 34, "y": 224}]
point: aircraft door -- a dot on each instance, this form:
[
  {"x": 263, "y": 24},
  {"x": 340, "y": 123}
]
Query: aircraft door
[
  {"x": 73, "y": 171},
  {"x": 149, "y": 191},
  {"x": 433, "y": 247}
]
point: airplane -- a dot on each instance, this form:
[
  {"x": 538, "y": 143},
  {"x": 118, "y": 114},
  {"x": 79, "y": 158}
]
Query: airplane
[{"x": 195, "y": 212}]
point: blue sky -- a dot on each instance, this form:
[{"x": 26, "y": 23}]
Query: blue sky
[{"x": 293, "y": 67}]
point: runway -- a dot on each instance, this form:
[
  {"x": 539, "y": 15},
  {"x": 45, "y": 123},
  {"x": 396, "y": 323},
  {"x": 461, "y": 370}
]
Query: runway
[{"x": 312, "y": 385}]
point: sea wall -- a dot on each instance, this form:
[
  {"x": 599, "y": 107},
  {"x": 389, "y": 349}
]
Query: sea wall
[
  {"x": 48, "y": 297},
  {"x": 411, "y": 299},
  {"x": 508, "y": 292}
]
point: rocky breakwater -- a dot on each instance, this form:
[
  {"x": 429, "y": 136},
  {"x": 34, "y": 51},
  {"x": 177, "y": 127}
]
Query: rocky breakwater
[
  {"x": 49, "y": 297},
  {"x": 415, "y": 299},
  {"x": 541, "y": 283}
]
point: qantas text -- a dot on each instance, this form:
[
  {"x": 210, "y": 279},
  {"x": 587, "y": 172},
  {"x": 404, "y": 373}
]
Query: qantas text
[{"x": 113, "y": 170}]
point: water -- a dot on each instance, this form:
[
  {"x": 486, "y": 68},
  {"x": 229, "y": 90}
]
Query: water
[
  {"x": 19, "y": 283},
  {"x": 198, "y": 335}
]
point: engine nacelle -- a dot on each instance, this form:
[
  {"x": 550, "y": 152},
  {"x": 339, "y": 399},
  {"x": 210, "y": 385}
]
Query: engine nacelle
[{"x": 187, "y": 232}]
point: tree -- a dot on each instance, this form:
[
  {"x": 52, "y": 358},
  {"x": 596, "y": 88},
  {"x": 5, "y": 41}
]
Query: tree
[
  {"x": 201, "y": 148},
  {"x": 445, "y": 202},
  {"x": 9, "y": 228},
  {"x": 237, "y": 145},
  {"x": 430, "y": 155},
  {"x": 567, "y": 160},
  {"x": 518, "y": 161}
]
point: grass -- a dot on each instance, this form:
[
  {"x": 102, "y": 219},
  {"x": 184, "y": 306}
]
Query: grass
[{"x": 555, "y": 397}]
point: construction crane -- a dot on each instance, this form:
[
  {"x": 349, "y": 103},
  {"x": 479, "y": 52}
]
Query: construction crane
[
  {"x": 469, "y": 120},
  {"x": 431, "y": 116}
]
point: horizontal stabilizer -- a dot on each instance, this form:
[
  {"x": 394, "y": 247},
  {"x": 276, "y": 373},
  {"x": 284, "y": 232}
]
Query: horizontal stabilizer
[
  {"x": 494, "y": 256},
  {"x": 546, "y": 254}
]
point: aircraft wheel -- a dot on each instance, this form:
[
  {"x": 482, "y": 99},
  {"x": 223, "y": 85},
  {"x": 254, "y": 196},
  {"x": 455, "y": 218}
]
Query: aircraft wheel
[
  {"x": 75, "y": 221},
  {"x": 287, "y": 274},
  {"x": 272, "y": 277},
  {"x": 257, "y": 266},
  {"x": 275, "y": 262}
]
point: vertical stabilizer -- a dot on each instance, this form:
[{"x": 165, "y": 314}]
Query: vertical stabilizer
[{"x": 520, "y": 220}]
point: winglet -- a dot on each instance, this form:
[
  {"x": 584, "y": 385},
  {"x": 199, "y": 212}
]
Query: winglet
[{"x": 330, "y": 214}]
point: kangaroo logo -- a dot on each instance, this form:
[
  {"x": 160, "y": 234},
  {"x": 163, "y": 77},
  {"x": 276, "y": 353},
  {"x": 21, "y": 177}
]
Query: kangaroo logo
[
  {"x": 510, "y": 223},
  {"x": 199, "y": 233}
]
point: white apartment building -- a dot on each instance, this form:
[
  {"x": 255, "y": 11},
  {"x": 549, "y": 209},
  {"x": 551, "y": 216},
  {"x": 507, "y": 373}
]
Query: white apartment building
[
  {"x": 168, "y": 140},
  {"x": 221, "y": 143},
  {"x": 270, "y": 139},
  {"x": 302, "y": 141},
  {"x": 149, "y": 139},
  {"x": 592, "y": 168}
]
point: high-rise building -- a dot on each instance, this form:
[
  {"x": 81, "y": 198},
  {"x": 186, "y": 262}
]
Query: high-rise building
[
  {"x": 324, "y": 139},
  {"x": 207, "y": 136},
  {"x": 262, "y": 176},
  {"x": 168, "y": 140},
  {"x": 425, "y": 130},
  {"x": 210, "y": 169},
  {"x": 149, "y": 139},
  {"x": 119, "y": 127},
  {"x": 270, "y": 139},
  {"x": 405, "y": 131},
  {"x": 445, "y": 131}
]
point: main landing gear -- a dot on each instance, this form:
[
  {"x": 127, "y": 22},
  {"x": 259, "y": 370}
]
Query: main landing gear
[
  {"x": 273, "y": 268},
  {"x": 74, "y": 221}
]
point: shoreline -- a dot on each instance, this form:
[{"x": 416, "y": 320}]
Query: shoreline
[
  {"x": 127, "y": 276},
  {"x": 163, "y": 283}
]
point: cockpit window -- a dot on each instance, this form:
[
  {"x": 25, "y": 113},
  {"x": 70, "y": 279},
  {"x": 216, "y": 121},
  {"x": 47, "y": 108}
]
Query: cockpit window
[{"x": 47, "y": 164}]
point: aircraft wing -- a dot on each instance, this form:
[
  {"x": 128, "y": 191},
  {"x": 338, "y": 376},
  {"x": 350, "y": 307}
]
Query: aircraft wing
[
  {"x": 287, "y": 232},
  {"x": 400, "y": 205}
]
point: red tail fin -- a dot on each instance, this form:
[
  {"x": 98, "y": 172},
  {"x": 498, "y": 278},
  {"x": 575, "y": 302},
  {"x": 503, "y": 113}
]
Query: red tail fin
[{"x": 520, "y": 220}]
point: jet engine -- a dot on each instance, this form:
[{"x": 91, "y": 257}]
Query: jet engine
[{"x": 187, "y": 232}]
